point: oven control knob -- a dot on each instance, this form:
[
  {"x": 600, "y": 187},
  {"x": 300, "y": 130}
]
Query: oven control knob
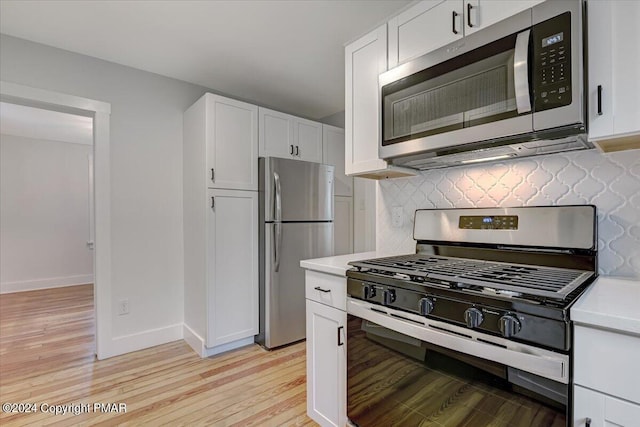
[
  {"x": 426, "y": 306},
  {"x": 368, "y": 291},
  {"x": 473, "y": 317},
  {"x": 509, "y": 325},
  {"x": 389, "y": 296}
]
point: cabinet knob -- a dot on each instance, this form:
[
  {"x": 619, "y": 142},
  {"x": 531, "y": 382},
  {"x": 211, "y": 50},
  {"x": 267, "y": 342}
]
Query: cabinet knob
[
  {"x": 291, "y": 151},
  {"x": 213, "y": 175},
  {"x": 213, "y": 202},
  {"x": 297, "y": 150},
  {"x": 340, "y": 342}
]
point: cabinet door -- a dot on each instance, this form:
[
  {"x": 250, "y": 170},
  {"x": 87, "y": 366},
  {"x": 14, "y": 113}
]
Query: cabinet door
[
  {"x": 343, "y": 225},
  {"x": 232, "y": 266},
  {"x": 614, "y": 66},
  {"x": 276, "y": 134},
  {"x": 333, "y": 148},
  {"x": 426, "y": 26},
  {"x": 602, "y": 410},
  {"x": 365, "y": 59},
  {"x": 308, "y": 140},
  {"x": 232, "y": 143},
  {"x": 326, "y": 365},
  {"x": 479, "y": 14}
]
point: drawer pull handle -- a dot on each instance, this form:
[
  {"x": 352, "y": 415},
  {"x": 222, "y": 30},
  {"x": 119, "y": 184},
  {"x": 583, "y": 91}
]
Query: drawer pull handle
[
  {"x": 318, "y": 288},
  {"x": 587, "y": 422},
  {"x": 454, "y": 15},
  {"x": 339, "y": 337},
  {"x": 599, "y": 100}
]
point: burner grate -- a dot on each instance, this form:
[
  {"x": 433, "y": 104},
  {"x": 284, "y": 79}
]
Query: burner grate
[{"x": 548, "y": 282}]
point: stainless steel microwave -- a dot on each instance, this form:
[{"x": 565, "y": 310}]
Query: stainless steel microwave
[{"x": 513, "y": 89}]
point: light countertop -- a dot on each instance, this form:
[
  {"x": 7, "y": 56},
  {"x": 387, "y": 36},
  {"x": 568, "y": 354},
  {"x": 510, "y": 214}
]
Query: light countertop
[
  {"x": 337, "y": 265},
  {"x": 612, "y": 303}
]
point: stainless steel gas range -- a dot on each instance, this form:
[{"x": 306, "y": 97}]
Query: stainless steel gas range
[{"x": 474, "y": 328}]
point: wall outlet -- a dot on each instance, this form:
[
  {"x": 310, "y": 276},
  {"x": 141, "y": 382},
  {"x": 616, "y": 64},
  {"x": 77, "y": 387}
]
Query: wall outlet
[
  {"x": 396, "y": 216},
  {"x": 123, "y": 307}
]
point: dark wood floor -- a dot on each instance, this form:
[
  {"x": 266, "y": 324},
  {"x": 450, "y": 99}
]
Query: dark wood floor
[{"x": 47, "y": 356}]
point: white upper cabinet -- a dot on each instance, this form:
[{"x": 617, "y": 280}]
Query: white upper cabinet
[
  {"x": 231, "y": 143},
  {"x": 431, "y": 24},
  {"x": 480, "y": 14},
  {"x": 276, "y": 134},
  {"x": 289, "y": 137},
  {"x": 308, "y": 138},
  {"x": 333, "y": 154},
  {"x": 365, "y": 59},
  {"x": 614, "y": 67},
  {"x": 424, "y": 27}
]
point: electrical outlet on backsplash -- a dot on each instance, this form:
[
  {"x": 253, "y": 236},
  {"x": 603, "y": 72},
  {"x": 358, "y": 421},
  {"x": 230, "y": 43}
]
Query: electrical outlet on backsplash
[{"x": 609, "y": 181}]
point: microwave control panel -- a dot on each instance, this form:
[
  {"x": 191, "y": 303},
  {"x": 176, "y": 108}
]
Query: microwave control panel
[{"x": 552, "y": 62}]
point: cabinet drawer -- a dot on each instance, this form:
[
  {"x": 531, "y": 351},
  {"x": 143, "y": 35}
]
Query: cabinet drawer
[
  {"x": 326, "y": 289},
  {"x": 605, "y": 361}
]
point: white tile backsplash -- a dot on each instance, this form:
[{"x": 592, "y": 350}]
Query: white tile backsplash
[{"x": 609, "y": 181}]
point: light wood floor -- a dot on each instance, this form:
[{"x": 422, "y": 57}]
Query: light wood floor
[{"x": 47, "y": 356}]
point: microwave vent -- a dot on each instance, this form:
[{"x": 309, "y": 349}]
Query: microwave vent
[{"x": 433, "y": 160}]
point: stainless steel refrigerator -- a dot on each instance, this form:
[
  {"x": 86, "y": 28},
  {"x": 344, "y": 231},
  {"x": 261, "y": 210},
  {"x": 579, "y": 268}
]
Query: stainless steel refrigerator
[{"x": 296, "y": 222}]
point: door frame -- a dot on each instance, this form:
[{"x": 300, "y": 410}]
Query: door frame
[{"x": 100, "y": 112}]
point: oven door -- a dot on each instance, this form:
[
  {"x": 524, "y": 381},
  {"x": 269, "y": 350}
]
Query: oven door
[{"x": 404, "y": 369}]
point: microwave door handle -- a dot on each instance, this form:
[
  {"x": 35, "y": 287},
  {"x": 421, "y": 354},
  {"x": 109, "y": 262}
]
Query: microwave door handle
[{"x": 521, "y": 72}]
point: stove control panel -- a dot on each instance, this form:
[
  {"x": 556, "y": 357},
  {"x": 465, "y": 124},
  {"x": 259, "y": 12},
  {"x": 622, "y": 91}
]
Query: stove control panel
[{"x": 492, "y": 222}]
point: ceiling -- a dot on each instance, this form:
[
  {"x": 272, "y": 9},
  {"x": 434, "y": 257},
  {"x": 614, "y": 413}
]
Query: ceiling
[
  {"x": 37, "y": 123},
  {"x": 288, "y": 55}
]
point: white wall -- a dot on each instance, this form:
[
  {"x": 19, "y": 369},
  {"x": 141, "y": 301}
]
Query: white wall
[
  {"x": 146, "y": 177},
  {"x": 44, "y": 214},
  {"x": 611, "y": 182}
]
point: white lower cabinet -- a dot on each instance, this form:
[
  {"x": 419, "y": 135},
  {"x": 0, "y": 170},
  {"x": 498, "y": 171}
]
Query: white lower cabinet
[
  {"x": 605, "y": 377},
  {"x": 326, "y": 349},
  {"x": 326, "y": 364},
  {"x": 593, "y": 409},
  {"x": 232, "y": 264}
]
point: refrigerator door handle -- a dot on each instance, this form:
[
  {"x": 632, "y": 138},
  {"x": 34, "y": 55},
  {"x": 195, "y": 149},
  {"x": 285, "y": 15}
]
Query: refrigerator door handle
[
  {"x": 277, "y": 242},
  {"x": 277, "y": 208}
]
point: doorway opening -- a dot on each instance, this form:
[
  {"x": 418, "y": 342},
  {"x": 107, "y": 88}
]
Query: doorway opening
[
  {"x": 96, "y": 225},
  {"x": 46, "y": 231}
]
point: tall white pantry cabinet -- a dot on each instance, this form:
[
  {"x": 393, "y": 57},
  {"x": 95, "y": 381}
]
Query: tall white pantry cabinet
[{"x": 220, "y": 208}]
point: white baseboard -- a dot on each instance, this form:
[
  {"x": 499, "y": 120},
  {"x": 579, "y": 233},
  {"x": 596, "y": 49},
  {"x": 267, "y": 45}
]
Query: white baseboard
[
  {"x": 196, "y": 342},
  {"x": 141, "y": 340},
  {"x": 52, "y": 282}
]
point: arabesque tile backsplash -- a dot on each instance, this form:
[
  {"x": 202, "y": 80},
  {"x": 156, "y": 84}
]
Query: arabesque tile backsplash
[{"x": 609, "y": 181}]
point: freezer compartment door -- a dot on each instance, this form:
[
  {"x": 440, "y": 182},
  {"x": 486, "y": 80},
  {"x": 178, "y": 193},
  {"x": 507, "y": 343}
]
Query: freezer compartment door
[
  {"x": 296, "y": 190},
  {"x": 283, "y": 287}
]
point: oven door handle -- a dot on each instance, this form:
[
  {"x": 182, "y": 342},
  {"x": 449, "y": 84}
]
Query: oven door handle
[{"x": 521, "y": 72}]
